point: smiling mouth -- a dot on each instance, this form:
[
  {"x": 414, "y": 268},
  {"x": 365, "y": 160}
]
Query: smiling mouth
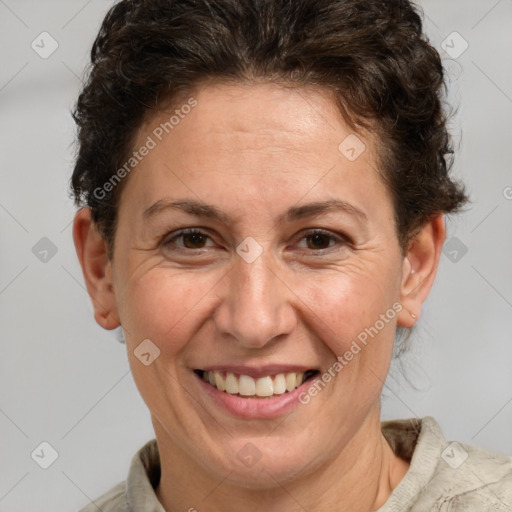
[{"x": 263, "y": 387}]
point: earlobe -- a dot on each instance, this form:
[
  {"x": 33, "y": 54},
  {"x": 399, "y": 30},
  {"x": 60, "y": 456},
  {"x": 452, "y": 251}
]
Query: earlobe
[
  {"x": 91, "y": 250},
  {"x": 419, "y": 269}
]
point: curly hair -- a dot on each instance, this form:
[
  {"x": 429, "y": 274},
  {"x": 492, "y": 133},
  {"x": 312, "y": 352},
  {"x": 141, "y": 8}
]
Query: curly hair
[{"x": 371, "y": 55}]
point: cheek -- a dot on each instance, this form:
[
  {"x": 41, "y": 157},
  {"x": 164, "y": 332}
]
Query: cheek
[
  {"x": 165, "y": 307},
  {"x": 347, "y": 308},
  {"x": 162, "y": 305}
]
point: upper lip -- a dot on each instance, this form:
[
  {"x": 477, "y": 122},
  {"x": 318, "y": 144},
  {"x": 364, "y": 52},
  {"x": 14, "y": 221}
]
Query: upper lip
[{"x": 257, "y": 371}]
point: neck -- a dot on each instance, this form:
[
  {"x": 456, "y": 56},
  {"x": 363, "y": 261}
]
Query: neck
[{"x": 360, "y": 479}]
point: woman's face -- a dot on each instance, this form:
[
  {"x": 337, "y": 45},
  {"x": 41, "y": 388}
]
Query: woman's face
[{"x": 253, "y": 291}]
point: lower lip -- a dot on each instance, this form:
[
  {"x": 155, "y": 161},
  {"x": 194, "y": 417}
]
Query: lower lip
[{"x": 253, "y": 407}]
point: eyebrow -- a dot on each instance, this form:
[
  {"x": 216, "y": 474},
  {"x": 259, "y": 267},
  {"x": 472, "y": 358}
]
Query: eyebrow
[{"x": 200, "y": 209}]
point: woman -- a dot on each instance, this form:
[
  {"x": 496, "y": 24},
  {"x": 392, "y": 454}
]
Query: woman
[{"x": 263, "y": 187}]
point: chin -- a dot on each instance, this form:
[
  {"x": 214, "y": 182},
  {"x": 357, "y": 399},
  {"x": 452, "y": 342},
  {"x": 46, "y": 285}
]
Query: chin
[{"x": 263, "y": 464}]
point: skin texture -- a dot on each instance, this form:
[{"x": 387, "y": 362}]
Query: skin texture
[{"x": 254, "y": 151}]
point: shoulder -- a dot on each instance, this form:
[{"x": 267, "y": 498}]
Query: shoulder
[
  {"x": 112, "y": 501},
  {"x": 471, "y": 478},
  {"x": 465, "y": 477},
  {"x": 446, "y": 476},
  {"x": 137, "y": 492}
]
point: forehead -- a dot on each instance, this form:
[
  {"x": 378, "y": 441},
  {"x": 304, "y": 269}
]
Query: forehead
[
  {"x": 243, "y": 142},
  {"x": 255, "y": 115}
]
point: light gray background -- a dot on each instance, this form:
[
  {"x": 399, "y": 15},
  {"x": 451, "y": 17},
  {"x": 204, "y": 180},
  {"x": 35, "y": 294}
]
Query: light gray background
[{"x": 66, "y": 381}]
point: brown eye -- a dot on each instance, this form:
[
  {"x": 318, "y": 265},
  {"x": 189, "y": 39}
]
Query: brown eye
[
  {"x": 318, "y": 241},
  {"x": 190, "y": 238},
  {"x": 193, "y": 240}
]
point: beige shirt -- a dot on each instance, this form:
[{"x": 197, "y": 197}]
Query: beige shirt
[{"x": 442, "y": 476}]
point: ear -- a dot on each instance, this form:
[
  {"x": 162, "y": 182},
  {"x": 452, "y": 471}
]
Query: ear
[
  {"x": 419, "y": 269},
  {"x": 91, "y": 250}
]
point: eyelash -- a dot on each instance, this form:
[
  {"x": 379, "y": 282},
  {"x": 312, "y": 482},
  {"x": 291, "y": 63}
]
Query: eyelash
[{"x": 340, "y": 239}]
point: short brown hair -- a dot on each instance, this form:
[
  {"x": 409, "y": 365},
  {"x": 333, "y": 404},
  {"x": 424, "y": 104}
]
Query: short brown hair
[{"x": 372, "y": 54}]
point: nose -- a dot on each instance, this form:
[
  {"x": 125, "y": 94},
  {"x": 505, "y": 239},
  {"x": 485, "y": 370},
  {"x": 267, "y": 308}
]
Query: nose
[{"x": 257, "y": 306}]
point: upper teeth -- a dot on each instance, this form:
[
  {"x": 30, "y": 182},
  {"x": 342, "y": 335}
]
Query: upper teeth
[{"x": 247, "y": 386}]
